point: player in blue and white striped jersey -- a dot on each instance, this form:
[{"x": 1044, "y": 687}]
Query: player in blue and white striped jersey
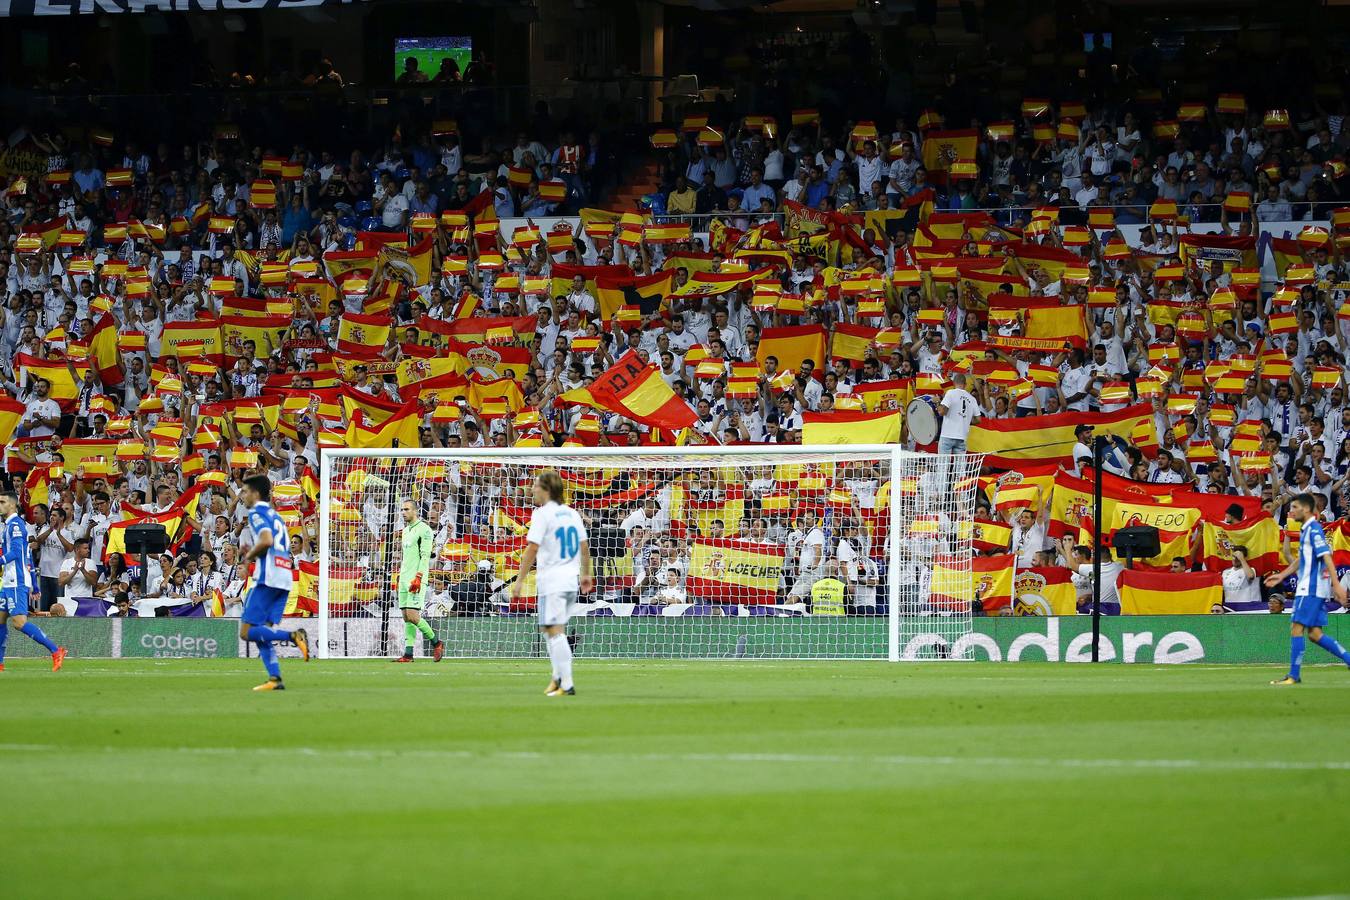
[
  {"x": 273, "y": 578},
  {"x": 17, "y": 582},
  {"x": 1317, "y": 583}
]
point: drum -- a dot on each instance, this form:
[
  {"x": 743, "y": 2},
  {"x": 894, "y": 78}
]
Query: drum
[{"x": 922, "y": 416}]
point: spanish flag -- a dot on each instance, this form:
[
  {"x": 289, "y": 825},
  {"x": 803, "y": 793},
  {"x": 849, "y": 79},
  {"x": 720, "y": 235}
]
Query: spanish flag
[
  {"x": 942, "y": 148},
  {"x": 11, "y": 414},
  {"x": 412, "y": 263},
  {"x": 988, "y": 535},
  {"x": 1144, "y": 593},
  {"x": 731, "y": 571},
  {"x": 480, "y": 392},
  {"x": 363, "y": 335},
  {"x": 792, "y": 345},
  {"x": 992, "y": 578},
  {"x": 199, "y": 337},
  {"x": 65, "y": 391},
  {"x": 711, "y": 284},
  {"x": 238, "y": 329},
  {"x": 563, "y": 275},
  {"x": 1010, "y": 443},
  {"x": 891, "y": 395},
  {"x": 851, "y": 342},
  {"x": 1259, "y": 534},
  {"x": 640, "y": 393},
  {"x": 848, "y": 427},
  {"x": 644, "y": 292},
  {"x": 399, "y": 430},
  {"x": 103, "y": 352}
]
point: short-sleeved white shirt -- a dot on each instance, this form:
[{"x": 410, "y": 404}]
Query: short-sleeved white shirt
[
  {"x": 557, "y": 530},
  {"x": 962, "y": 409}
]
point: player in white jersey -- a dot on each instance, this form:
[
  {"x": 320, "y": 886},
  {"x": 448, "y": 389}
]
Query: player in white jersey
[{"x": 557, "y": 543}]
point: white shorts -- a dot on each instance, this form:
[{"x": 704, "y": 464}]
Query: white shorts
[{"x": 554, "y": 609}]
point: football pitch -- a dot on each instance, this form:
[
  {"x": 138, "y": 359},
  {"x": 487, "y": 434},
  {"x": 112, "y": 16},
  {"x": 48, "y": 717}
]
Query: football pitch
[{"x": 170, "y": 778}]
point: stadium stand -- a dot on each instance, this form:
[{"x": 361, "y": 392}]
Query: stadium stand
[{"x": 1167, "y": 273}]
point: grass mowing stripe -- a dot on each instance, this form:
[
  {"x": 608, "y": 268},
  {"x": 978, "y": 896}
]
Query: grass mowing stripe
[{"x": 659, "y": 758}]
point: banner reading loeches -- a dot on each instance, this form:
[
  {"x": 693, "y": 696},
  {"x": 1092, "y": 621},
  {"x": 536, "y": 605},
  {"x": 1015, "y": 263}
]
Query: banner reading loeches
[{"x": 730, "y": 571}]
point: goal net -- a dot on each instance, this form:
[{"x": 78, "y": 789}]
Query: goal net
[{"x": 858, "y": 552}]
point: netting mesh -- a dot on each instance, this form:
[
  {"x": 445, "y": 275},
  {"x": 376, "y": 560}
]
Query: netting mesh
[{"x": 706, "y": 555}]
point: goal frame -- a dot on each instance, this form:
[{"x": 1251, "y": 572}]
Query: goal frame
[{"x": 896, "y": 454}]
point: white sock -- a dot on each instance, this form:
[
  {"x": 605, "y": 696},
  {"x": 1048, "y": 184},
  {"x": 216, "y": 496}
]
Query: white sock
[{"x": 561, "y": 653}]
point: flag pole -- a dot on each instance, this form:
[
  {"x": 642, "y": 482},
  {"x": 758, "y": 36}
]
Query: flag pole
[{"x": 1098, "y": 451}]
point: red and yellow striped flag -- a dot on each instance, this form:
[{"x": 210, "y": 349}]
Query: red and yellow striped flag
[
  {"x": 1169, "y": 593},
  {"x": 732, "y": 571}
]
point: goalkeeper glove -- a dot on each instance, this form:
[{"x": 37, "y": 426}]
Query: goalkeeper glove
[{"x": 416, "y": 584}]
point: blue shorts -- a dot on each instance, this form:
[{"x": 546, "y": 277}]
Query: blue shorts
[
  {"x": 265, "y": 605},
  {"x": 14, "y": 601},
  {"x": 1310, "y": 612}
]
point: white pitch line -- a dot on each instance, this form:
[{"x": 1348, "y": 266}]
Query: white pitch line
[{"x": 1199, "y": 765}]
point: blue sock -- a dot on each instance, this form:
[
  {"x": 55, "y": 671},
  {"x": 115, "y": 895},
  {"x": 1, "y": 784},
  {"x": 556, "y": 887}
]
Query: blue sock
[
  {"x": 1332, "y": 646},
  {"x": 36, "y": 634},
  {"x": 4, "y": 639},
  {"x": 260, "y": 633},
  {"x": 267, "y": 652},
  {"x": 1295, "y": 656}
]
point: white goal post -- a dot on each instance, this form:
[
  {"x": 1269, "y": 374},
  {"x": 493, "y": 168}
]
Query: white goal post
[{"x": 788, "y": 552}]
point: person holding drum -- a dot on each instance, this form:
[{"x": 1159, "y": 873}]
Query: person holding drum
[{"x": 958, "y": 408}]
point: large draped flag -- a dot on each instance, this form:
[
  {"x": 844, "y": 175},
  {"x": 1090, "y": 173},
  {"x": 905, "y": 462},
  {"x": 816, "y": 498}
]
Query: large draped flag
[
  {"x": 639, "y": 392},
  {"x": 849, "y": 427},
  {"x": 1043, "y": 439},
  {"x": 1144, "y": 593},
  {"x": 643, "y": 292},
  {"x": 731, "y": 571},
  {"x": 792, "y": 345}
]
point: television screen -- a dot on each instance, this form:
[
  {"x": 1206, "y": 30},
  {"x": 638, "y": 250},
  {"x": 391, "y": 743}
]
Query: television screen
[{"x": 430, "y": 52}]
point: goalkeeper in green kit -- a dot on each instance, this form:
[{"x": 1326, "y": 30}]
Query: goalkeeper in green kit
[{"x": 413, "y": 579}]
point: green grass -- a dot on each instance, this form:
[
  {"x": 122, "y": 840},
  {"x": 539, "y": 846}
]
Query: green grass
[{"x": 667, "y": 779}]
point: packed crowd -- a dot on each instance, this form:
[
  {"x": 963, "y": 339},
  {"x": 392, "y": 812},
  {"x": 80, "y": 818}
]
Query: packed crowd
[{"x": 224, "y": 309}]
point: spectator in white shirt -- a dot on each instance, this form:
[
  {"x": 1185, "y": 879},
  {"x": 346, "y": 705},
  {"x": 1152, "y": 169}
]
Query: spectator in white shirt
[
  {"x": 41, "y": 415},
  {"x": 78, "y": 577},
  {"x": 958, "y": 409}
]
